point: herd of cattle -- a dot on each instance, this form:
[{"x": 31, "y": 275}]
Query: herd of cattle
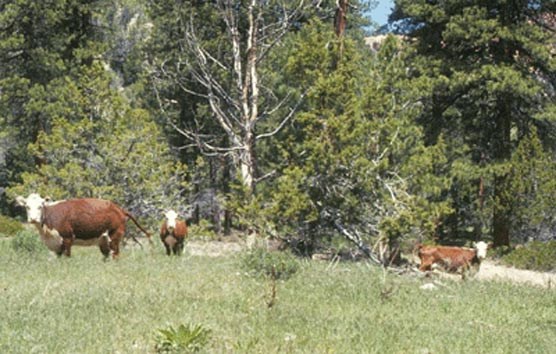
[{"x": 89, "y": 221}]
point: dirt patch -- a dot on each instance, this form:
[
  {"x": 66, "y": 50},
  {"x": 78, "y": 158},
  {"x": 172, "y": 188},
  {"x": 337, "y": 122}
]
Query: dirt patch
[{"x": 492, "y": 271}]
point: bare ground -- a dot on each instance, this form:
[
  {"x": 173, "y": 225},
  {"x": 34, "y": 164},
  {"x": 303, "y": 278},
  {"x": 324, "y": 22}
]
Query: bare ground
[{"x": 492, "y": 271}]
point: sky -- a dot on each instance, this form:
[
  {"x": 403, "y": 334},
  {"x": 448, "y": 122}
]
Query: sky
[{"x": 381, "y": 12}]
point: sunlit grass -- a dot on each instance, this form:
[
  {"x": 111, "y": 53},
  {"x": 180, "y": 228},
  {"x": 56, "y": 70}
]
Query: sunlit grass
[{"x": 85, "y": 305}]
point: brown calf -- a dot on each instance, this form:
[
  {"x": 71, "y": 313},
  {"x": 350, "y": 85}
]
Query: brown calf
[
  {"x": 78, "y": 221},
  {"x": 451, "y": 258},
  {"x": 173, "y": 233}
]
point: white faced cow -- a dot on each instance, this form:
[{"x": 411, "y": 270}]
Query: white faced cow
[
  {"x": 83, "y": 222},
  {"x": 173, "y": 233}
]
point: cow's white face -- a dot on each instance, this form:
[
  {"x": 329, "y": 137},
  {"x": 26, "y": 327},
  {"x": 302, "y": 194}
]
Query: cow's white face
[
  {"x": 34, "y": 204},
  {"x": 171, "y": 217},
  {"x": 481, "y": 248}
]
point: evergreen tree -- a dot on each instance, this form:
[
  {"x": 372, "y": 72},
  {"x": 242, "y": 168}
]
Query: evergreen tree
[
  {"x": 98, "y": 146},
  {"x": 356, "y": 163},
  {"x": 39, "y": 42},
  {"x": 490, "y": 71}
]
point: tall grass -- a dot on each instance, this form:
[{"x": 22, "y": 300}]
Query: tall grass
[{"x": 85, "y": 305}]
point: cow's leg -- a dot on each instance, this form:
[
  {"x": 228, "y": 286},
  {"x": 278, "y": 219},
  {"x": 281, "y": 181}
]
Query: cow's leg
[
  {"x": 66, "y": 246},
  {"x": 115, "y": 239},
  {"x": 178, "y": 248},
  {"x": 426, "y": 264},
  {"x": 104, "y": 245},
  {"x": 465, "y": 269},
  {"x": 60, "y": 250},
  {"x": 168, "y": 249}
]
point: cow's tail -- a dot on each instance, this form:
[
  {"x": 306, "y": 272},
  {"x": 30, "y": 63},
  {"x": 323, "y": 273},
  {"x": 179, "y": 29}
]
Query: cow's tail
[{"x": 128, "y": 214}]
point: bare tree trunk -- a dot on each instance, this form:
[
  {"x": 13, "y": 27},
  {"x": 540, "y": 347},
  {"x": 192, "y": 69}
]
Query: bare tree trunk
[{"x": 502, "y": 150}]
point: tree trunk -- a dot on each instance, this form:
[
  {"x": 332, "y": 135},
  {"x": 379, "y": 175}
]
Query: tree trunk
[
  {"x": 500, "y": 220},
  {"x": 502, "y": 152}
]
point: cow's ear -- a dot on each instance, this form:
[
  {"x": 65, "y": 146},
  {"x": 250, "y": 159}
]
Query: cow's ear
[
  {"x": 47, "y": 199},
  {"x": 20, "y": 201}
]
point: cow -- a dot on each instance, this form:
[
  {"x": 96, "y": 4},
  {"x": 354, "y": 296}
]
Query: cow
[
  {"x": 173, "y": 233},
  {"x": 83, "y": 222},
  {"x": 452, "y": 259}
]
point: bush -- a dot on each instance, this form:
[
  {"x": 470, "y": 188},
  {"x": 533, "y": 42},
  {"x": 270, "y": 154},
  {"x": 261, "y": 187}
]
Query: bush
[
  {"x": 190, "y": 339},
  {"x": 202, "y": 231},
  {"x": 27, "y": 242},
  {"x": 9, "y": 226},
  {"x": 279, "y": 265},
  {"x": 536, "y": 255}
]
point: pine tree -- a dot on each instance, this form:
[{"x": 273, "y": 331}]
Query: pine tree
[
  {"x": 357, "y": 166},
  {"x": 39, "y": 42},
  {"x": 491, "y": 75},
  {"x": 98, "y": 146}
]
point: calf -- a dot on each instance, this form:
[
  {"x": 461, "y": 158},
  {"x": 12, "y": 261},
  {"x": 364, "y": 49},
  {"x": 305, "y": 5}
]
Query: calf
[
  {"x": 173, "y": 233},
  {"x": 78, "y": 221},
  {"x": 452, "y": 258}
]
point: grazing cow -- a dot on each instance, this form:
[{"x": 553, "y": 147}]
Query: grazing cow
[
  {"x": 173, "y": 233},
  {"x": 84, "y": 222},
  {"x": 452, "y": 258}
]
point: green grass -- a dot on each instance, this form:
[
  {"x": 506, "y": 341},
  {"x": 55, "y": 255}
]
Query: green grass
[{"x": 85, "y": 305}]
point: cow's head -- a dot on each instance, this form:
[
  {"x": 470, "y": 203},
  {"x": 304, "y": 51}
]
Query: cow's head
[
  {"x": 171, "y": 217},
  {"x": 34, "y": 204},
  {"x": 481, "y": 248}
]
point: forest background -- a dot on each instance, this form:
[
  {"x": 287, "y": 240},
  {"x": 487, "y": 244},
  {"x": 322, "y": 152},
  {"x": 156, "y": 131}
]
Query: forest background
[{"x": 278, "y": 118}]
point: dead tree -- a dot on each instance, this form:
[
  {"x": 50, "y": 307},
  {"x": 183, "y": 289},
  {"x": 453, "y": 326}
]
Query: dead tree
[{"x": 237, "y": 104}]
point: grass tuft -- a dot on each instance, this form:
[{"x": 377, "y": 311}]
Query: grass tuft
[
  {"x": 27, "y": 242},
  {"x": 184, "y": 339}
]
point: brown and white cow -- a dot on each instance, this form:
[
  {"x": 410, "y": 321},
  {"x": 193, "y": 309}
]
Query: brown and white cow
[
  {"x": 452, "y": 259},
  {"x": 84, "y": 222},
  {"x": 173, "y": 233}
]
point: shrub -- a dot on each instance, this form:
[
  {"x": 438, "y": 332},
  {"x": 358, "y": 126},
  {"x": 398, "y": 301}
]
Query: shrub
[
  {"x": 535, "y": 255},
  {"x": 9, "y": 226},
  {"x": 202, "y": 231},
  {"x": 279, "y": 265},
  {"x": 190, "y": 339},
  {"x": 27, "y": 242}
]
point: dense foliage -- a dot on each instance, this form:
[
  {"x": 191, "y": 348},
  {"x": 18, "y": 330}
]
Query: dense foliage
[
  {"x": 536, "y": 255},
  {"x": 262, "y": 117},
  {"x": 489, "y": 73}
]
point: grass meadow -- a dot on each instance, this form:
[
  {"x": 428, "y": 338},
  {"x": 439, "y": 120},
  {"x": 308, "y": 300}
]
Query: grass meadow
[{"x": 85, "y": 305}]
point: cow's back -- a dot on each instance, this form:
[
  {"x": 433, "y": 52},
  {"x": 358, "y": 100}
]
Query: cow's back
[{"x": 85, "y": 218}]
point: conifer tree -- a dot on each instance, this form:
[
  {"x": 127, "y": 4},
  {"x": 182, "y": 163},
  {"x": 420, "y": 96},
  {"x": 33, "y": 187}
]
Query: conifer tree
[
  {"x": 39, "y": 42},
  {"x": 98, "y": 146},
  {"x": 357, "y": 166},
  {"x": 490, "y": 66}
]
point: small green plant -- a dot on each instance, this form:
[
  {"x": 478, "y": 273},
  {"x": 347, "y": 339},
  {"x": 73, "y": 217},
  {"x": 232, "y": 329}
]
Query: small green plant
[
  {"x": 536, "y": 255},
  {"x": 9, "y": 226},
  {"x": 278, "y": 265},
  {"x": 202, "y": 231},
  {"x": 184, "y": 339},
  {"x": 27, "y": 242}
]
